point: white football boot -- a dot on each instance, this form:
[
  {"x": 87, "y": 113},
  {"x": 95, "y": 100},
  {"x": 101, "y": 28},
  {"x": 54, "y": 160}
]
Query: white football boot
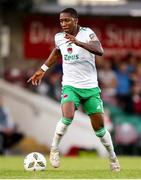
[
  {"x": 55, "y": 158},
  {"x": 114, "y": 165}
]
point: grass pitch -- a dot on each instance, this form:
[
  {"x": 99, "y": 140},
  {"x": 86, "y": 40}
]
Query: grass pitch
[{"x": 11, "y": 167}]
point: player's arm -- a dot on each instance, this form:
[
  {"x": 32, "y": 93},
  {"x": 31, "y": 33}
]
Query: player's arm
[
  {"x": 93, "y": 46},
  {"x": 51, "y": 60}
]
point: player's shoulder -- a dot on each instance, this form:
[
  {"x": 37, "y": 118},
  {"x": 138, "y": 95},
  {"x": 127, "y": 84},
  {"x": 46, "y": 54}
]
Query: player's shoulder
[
  {"x": 86, "y": 29},
  {"x": 59, "y": 35}
]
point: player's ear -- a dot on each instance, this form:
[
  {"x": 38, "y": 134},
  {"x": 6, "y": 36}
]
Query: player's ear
[{"x": 76, "y": 20}]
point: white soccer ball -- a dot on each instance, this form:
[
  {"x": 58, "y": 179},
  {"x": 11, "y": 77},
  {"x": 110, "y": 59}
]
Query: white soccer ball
[{"x": 34, "y": 162}]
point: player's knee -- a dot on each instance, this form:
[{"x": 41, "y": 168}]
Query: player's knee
[
  {"x": 67, "y": 121},
  {"x": 68, "y": 115},
  {"x": 101, "y": 132}
]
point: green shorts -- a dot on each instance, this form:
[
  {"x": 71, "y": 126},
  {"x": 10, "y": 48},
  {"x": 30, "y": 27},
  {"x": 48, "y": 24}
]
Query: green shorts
[{"x": 89, "y": 98}]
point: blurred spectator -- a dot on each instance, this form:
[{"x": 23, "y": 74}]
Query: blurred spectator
[
  {"x": 8, "y": 133},
  {"x": 115, "y": 59},
  {"x": 123, "y": 85},
  {"x": 108, "y": 83},
  {"x": 136, "y": 75},
  {"x": 134, "y": 101},
  {"x": 132, "y": 62},
  {"x": 53, "y": 82}
]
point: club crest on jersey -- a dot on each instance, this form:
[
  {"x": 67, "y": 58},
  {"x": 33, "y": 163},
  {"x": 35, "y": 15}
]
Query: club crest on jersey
[
  {"x": 70, "y": 56},
  {"x": 69, "y": 48},
  {"x": 65, "y": 96}
]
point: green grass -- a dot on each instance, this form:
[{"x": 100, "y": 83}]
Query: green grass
[{"x": 11, "y": 167}]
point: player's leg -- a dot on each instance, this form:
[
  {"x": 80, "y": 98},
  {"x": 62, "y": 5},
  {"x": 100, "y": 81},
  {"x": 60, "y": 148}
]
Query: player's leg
[
  {"x": 68, "y": 110},
  {"x": 94, "y": 108},
  {"x": 69, "y": 103},
  {"x": 67, "y": 117},
  {"x": 97, "y": 121}
]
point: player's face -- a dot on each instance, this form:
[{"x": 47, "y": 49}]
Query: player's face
[{"x": 68, "y": 23}]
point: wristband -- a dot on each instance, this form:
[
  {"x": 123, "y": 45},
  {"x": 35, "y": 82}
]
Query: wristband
[{"x": 44, "y": 67}]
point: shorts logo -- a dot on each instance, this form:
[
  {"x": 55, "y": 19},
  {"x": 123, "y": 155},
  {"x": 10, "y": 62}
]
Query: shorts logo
[
  {"x": 98, "y": 107},
  {"x": 65, "y": 96}
]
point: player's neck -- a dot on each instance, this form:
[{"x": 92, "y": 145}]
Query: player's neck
[{"x": 76, "y": 30}]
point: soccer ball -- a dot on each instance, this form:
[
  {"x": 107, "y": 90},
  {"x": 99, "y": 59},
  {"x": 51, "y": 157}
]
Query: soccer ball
[{"x": 34, "y": 162}]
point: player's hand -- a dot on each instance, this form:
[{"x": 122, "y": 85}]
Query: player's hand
[
  {"x": 37, "y": 77},
  {"x": 71, "y": 38}
]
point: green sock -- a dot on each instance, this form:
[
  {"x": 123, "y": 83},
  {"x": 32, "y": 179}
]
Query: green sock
[
  {"x": 101, "y": 132},
  {"x": 66, "y": 121}
]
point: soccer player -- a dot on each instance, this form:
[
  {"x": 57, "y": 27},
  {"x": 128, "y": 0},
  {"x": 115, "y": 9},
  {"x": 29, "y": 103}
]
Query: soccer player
[{"x": 77, "y": 46}]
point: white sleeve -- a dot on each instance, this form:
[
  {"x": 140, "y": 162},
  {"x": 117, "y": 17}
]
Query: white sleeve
[
  {"x": 91, "y": 35},
  {"x": 56, "y": 42}
]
